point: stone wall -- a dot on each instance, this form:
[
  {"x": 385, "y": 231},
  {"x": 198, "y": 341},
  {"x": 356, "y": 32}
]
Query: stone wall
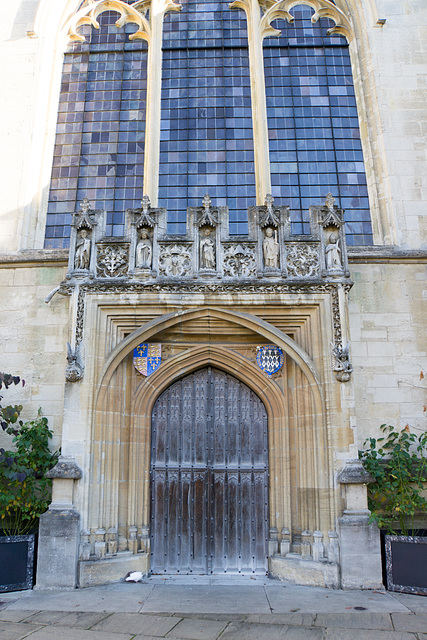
[
  {"x": 388, "y": 311},
  {"x": 33, "y": 337}
]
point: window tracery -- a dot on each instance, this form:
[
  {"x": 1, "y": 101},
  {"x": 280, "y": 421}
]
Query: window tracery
[{"x": 134, "y": 160}]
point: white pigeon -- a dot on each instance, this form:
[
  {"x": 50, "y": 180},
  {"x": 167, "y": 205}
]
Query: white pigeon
[{"x": 134, "y": 576}]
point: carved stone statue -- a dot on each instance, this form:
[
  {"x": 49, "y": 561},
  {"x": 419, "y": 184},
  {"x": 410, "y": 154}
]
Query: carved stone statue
[
  {"x": 270, "y": 248},
  {"x": 333, "y": 254},
  {"x": 82, "y": 255},
  {"x": 143, "y": 251},
  {"x": 207, "y": 251},
  {"x": 342, "y": 367}
]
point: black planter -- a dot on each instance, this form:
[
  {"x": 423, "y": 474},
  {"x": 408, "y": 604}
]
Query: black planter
[
  {"x": 406, "y": 562},
  {"x": 16, "y": 562}
]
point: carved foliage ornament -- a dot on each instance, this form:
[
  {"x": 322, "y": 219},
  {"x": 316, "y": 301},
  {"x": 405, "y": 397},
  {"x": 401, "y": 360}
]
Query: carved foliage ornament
[
  {"x": 128, "y": 14},
  {"x": 208, "y": 215},
  {"x": 269, "y": 216},
  {"x": 302, "y": 260},
  {"x": 175, "y": 260},
  {"x": 112, "y": 261},
  {"x": 239, "y": 261},
  {"x": 273, "y": 10}
]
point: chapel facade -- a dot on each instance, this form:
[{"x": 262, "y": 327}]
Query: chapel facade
[{"x": 213, "y": 250}]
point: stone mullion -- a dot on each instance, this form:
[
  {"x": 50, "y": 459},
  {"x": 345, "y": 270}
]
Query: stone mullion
[
  {"x": 258, "y": 99},
  {"x": 157, "y": 9}
]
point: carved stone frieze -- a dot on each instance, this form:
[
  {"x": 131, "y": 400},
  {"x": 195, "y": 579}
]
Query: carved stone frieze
[
  {"x": 175, "y": 260},
  {"x": 239, "y": 261},
  {"x": 80, "y": 316},
  {"x": 302, "y": 260},
  {"x": 336, "y": 315},
  {"x": 112, "y": 260}
]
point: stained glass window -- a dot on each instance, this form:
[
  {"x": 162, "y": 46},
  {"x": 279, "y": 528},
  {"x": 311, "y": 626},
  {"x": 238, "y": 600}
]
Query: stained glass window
[
  {"x": 99, "y": 146},
  {"x": 314, "y": 136},
  {"x": 206, "y": 143},
  {"x": 206, "y": 139}
]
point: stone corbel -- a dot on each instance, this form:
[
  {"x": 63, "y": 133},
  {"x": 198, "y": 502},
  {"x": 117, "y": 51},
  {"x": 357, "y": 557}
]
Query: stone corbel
[
  {"x": 74, "y": 368},
  {"x": 342, "y": 365}
]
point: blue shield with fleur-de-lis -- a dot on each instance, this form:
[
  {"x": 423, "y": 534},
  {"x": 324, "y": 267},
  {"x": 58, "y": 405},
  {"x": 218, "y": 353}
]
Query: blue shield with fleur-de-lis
[
  {"x": 147, "y": 357},
  {"x": 270, "y": 358}
]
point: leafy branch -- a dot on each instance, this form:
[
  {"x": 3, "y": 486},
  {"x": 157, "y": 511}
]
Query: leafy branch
[
  {"x": 398, "y": 464},
  {"x": 25, "y": 493}
]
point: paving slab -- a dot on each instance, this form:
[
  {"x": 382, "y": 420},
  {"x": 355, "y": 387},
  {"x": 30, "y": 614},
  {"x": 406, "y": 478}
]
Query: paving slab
[
  {"x": 247, "y": 631},
  {"x": 350, "y": 634},
  {"x": 55, "y": 632},
  {"x": 293, "y": 619},
  {"x": 416, "y": 604},
  {"x": 118, "y": 597},
  {"x": 213, "y": 599},
  {"x": 43, "y": 617},
  {"x": 136, "y": 623},
  {"x": 356, "y": 620},
  {"x": 77, "y": 619},
  {"x": 193, "y": 629},
  {"x": 409, "y": 621},
  {"x": 296, "y": 599},
  {"x": 16, "y": 631},
  {"x": 14, "y": 616}
]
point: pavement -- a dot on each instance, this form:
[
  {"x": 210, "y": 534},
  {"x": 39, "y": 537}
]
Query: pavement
[{"x": 211, "y": 608}]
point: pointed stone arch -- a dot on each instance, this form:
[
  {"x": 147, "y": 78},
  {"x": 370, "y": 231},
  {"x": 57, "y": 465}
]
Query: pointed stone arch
[{"x": 301, "y": 484}]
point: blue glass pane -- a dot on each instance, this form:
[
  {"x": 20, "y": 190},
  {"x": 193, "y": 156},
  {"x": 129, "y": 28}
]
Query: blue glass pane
[
  {"x": 313, "y": 126},
  {"x": 99, "y": 145},
  {"x": 206, "y": 141}
]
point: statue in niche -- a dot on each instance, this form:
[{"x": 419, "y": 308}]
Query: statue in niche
[
  {"x": 207, "y": 250},
  {"x": 144, "y": 250},
  {"x": 270, "y": 248},
  {"x": 333, "y": 254},
  {"x": 82, "y": 255}
]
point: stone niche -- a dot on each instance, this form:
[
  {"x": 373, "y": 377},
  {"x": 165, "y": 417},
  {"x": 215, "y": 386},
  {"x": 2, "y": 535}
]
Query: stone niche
[{"x": 209, "y": 299}]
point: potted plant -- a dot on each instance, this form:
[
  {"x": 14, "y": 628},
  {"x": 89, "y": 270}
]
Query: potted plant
[
  {"x": 24, "y": 491},
  {"x": 397, "y": 463}
]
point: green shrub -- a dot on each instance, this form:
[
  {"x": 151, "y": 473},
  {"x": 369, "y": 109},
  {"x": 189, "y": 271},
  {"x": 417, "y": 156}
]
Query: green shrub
[
  {"x": 398, "y": 464},
  {"x": 25, "y": 493}
]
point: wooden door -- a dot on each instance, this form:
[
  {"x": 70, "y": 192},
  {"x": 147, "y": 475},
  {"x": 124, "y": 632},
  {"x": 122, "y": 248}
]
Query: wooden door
[{"x": 209, "y": 477}]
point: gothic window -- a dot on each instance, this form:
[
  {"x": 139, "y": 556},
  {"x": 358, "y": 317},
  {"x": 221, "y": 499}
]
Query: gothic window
[
  {"x": 99, "y": 146},
  {"x": 206, "y": 143},
  {"x": 314, "y": 135},
  {"x": 206, "y": 128}
]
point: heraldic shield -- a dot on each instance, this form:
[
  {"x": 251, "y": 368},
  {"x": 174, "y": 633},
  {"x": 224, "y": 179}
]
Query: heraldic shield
[
  {"x": 270, "y": 358},
  {"x": 147, "y": 358}
]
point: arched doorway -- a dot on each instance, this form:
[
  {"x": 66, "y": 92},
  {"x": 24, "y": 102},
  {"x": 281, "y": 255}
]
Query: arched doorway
[{"x": 209, "y": 477}]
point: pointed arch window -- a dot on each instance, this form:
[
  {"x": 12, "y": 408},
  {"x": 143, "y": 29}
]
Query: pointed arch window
[
  {"x": 314, "y": 137},
  {"x": 299, "y": 138},
  {"x": 99, "y": 147}
]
